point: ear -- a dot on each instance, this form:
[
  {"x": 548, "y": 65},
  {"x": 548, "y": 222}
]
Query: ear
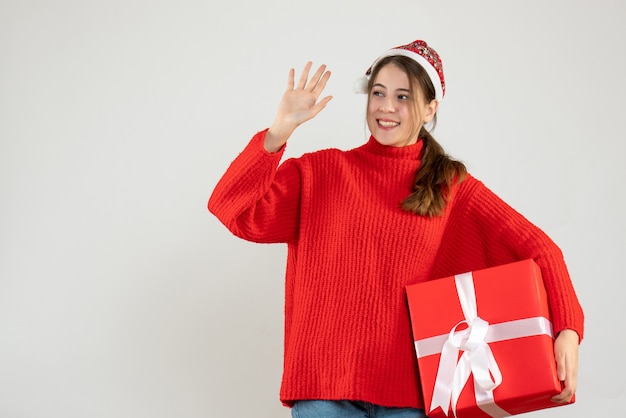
[{"x": 430, "y": 110}]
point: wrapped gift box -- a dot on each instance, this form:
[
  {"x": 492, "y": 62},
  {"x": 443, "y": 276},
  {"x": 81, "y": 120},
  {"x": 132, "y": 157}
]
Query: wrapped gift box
[{"x": 480, "y": 330}]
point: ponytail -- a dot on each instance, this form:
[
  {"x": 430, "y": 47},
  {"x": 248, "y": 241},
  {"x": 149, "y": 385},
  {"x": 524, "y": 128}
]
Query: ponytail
[{"x": 434, "y": 178}]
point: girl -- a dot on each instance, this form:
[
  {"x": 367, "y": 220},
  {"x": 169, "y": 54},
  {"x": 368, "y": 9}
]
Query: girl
[{"x": 361, "y": 225}]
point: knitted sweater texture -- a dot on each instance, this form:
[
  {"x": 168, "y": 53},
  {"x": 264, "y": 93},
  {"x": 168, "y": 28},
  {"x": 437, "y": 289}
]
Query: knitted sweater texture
[{"x": 352, "y": 251}]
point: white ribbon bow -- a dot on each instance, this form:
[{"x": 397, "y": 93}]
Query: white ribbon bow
[{"x": 477, "y": 358}]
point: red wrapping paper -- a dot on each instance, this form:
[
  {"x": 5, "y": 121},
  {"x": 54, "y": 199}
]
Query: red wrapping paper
[{"x": 505, "y": 293}]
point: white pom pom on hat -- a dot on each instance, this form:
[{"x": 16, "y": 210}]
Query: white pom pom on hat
[
  {"x": 360, "y": 85},
  {"x": 422, "y": 54}
]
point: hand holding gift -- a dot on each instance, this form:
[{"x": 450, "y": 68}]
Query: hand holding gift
[{"x": 566, "y": 356}]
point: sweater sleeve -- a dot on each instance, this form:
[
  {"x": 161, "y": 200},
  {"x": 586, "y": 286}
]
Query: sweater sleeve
[
  {"x": 489, "y": 232},
  {"x": 256, "y": 199}
]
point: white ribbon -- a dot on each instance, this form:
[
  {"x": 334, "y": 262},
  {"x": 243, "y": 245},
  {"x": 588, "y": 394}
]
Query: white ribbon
[{"x": 477, "y": 358}]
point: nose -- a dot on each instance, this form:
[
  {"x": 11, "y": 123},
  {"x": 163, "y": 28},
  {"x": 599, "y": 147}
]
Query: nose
[{"x": 387, "y": 105}]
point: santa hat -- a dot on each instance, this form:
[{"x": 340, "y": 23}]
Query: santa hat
[{"x": 423, "y": 54}]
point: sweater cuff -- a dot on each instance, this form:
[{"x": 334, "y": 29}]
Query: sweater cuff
[{"x": 259, "y": 139}]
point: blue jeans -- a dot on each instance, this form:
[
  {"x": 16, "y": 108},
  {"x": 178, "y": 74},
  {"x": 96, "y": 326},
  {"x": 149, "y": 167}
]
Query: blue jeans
[{"x": 350, "y": 409}]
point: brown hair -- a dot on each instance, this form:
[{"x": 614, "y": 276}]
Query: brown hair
[{"x": 437, "y": 171}]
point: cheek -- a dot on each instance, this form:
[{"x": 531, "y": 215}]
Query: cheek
[
  {"x": 409, "y": 118},
  {"x": 371, "y": 106},
  {"x": 371, "y": 114},
  {"x": 405, "y": 114},
  {"x": 370, "y": 117}
]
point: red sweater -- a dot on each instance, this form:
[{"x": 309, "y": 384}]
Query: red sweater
[{"x": 352, "y": 251}]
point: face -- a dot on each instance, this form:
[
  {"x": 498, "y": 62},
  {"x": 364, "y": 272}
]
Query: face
[{"x": 390, "y": 116}]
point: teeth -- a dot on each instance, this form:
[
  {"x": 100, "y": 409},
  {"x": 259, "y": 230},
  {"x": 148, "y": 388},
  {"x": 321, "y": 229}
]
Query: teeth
[{"x": 387, "y": 124}]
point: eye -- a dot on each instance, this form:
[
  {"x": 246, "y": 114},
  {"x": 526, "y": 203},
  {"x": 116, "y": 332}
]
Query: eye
[
  {"x": 403, "y": 97},
  {"x": 377, "y": 93}
]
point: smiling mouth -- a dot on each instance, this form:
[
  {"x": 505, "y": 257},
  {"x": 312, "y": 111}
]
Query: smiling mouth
[{"x": 387, "y": 123}]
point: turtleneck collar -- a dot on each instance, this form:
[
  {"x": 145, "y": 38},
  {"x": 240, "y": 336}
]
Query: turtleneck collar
[{"x": 409, "y": 152}]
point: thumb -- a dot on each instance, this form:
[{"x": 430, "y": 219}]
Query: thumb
[{"x": 319, "y": 106}]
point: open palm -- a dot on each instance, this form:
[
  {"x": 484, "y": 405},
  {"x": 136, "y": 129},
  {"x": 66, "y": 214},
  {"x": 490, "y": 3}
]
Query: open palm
[{"x": 299, "y": 104}]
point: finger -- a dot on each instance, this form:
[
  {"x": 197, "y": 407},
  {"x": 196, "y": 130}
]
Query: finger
[
  {"x": 567, "y": 373},
  {"x": 305, "y": 75},
  {"x": 321, "y": 84},
  {"x": 561, "y": 373},
  {"x": 561, "y": 367},
  {"x": 290, "y": 79},
  {"x": 571, "y": 378},
  {"x": 563, "y": 397},
  {"x": 319, "y": 106},
  {"x": 316, "y": 77}
]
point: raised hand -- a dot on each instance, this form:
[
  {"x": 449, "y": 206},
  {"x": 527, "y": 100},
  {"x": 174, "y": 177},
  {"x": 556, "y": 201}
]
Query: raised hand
[{"x": 299, "y": 104}]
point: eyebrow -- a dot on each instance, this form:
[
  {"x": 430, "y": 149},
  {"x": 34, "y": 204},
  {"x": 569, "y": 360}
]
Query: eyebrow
[{"x": 383, "y": 86}]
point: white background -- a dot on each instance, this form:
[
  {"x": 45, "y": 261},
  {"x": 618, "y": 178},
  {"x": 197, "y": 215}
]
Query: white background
[{"x": 121, "y": 296}]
